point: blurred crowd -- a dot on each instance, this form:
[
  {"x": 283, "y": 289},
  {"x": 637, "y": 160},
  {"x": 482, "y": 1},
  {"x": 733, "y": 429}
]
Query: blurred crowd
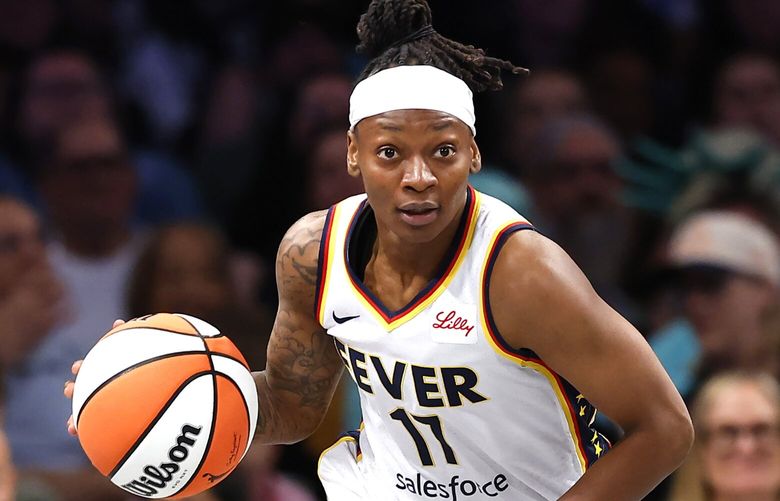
[{"x": 153, "y": 153}]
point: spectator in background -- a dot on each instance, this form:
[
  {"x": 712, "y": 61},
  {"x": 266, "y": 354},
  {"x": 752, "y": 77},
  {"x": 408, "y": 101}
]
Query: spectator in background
[
  {"x": 29, "y": 305},
  {"x": 727, "y": 267},
  {"x": 547, "y": 33},
  {"x": 620, "y": 82},
  {"x": 731, "y": 169},
  {"x": 326, "y": 180},
  {"x": 736, "y": 455},
  {"x": 30, "y": 294},
  {"x": 723, "y": 168},
  {"x": 545, "y": 95},
  {"x": 62, "y": 86},
  {"x": 186, "y": 268},
  {"x": 319, "y": 103},
  {"x": 747, "y": 95},
  {"x": 165, "y": 49},
  {"x": 88, "y": 188},
  {"x": 234, "y": 125},
  {"x": 303, "y": 53},
  {"x": 58, "y": 86},
  {"x": 576, "y": 197}
]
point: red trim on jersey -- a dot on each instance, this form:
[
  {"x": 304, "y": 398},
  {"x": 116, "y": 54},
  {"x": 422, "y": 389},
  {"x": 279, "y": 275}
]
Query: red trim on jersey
[{"x": 322, "y": 265}]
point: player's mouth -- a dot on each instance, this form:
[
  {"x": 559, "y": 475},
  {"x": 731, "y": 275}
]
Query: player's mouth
[{"x": 419, "y": 213}]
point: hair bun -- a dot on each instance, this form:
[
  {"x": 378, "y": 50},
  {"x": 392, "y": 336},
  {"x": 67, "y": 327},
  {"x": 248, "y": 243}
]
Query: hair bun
[{"x": 387, "y": 22}]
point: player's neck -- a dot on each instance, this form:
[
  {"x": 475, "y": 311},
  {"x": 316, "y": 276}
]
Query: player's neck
[
  {"x": 415, "y": 258},
  {"x": 396, "y": 278}
]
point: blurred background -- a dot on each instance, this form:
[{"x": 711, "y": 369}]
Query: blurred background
[{"x": 152, "y": 154}]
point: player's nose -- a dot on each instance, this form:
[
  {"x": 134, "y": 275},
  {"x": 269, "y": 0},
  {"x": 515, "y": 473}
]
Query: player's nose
[{"x": 418, "y": 174}]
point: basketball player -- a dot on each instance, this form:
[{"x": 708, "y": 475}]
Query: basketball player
[{"x": 465, "y": 330}]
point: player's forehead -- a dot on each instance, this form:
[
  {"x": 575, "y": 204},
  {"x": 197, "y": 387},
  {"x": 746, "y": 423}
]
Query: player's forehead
[{"x": 413, "y": 121}]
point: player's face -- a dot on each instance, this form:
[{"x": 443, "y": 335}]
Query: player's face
[{"x": 415, "y": 166}]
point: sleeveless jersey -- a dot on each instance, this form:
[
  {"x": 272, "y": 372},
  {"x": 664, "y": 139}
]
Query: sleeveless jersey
[{"x": 450, "y": 410}]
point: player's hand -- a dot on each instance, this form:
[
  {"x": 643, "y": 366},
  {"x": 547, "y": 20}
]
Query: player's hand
[
  {"x": 68, "y": 391},
  {"x": 69, "y": 384}
]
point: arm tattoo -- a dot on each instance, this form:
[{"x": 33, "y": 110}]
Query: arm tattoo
[
  {"x": 304, "y": 367},
  {"x": 303, "y": 364},
  {"x": 295, "y": 254}
]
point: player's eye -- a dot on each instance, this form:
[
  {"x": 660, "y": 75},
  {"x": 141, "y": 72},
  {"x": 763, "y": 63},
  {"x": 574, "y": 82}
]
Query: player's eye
[
  {"x": 387, "y": 153},
  {"x": 445, "y": 151}
]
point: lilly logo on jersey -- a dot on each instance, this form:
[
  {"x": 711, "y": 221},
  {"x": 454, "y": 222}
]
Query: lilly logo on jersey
[
  {"x": 452, "y": 321},
  {"x": 455, "y": 325},
  {"x": 159, "y": 477}
]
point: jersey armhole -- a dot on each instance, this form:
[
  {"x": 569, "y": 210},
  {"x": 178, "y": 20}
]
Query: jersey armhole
[
  {"x": 494, "y": 248},
  {"x": 323, "y": 264}
]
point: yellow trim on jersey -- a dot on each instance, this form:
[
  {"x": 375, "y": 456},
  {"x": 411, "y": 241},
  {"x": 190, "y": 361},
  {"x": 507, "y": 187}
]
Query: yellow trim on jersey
[
  {"x": 338, "y": 442},
  {"x": 541, "y": 369},
  {"x": 329, "y": 264},
  {"x": 341, "y": 440},
  {"x": 442, "y": 286}
]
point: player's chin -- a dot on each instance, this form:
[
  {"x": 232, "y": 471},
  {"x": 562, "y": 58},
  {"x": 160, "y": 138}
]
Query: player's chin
[{"x": 418, "y": 234}]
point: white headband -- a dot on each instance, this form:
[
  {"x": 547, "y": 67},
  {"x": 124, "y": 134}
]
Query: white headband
[{"x": 412, "y": 88}]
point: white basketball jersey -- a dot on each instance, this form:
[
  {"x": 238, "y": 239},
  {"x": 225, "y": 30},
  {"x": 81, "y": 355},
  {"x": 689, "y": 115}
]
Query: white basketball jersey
[{"x": 450, "y": 411}]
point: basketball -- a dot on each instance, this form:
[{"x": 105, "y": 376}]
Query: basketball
[{"x": 165, "y": 406}]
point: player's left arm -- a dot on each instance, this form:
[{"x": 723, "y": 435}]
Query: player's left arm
[{"x": 540, "y": 300}]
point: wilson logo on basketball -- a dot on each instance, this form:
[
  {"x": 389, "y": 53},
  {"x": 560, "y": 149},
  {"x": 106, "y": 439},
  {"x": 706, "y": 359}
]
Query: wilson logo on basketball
[
  {"x": 451, "y": 321},
  {"x": 157, "y": 477}
]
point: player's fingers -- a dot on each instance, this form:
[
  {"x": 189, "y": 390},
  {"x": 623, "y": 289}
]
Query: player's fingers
[
  {"x": 71, "y": 428},
  {"x": 117, "y": 322},
  {"x": 76, "y": 367},
  {"x": 68, "y": 390}
]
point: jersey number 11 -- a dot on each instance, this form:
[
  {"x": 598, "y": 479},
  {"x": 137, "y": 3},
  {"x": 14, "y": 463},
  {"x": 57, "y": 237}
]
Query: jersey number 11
[{"x": 422, "y": 447}]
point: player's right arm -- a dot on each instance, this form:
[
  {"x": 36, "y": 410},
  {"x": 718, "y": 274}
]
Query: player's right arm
[{"x": 303, "y": 367}]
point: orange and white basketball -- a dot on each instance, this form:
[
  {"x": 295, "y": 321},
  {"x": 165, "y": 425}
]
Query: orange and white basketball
[{"x": 165, "y": 406}]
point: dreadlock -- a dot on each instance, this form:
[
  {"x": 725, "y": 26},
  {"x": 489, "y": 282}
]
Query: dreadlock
[{"x": 399, "y": 32}]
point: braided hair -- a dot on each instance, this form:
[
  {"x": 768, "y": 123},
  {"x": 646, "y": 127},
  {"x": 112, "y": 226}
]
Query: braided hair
[{"x": 399, "y": 32}]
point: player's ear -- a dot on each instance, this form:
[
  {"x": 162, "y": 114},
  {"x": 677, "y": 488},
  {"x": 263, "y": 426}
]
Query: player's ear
[
  {"x": 352, "y": 154},
  {"x": 476, "y": 158}
]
